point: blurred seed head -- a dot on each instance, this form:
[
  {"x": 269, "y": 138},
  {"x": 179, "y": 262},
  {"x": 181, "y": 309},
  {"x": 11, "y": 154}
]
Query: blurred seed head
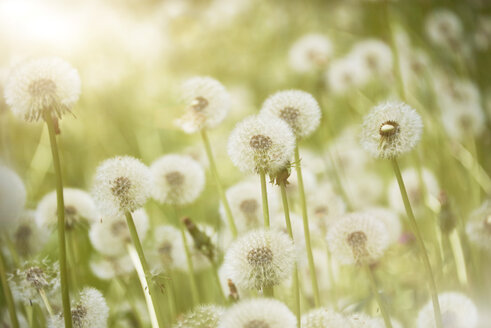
[
  {"x": 346, "y": 74},
  {"x": 169, "y": 249},
  {"x": 202, "y": 316},
  {"x": 43, "y": 85},
  {"x": 122, "y": 184},
  {"x": 322, "y": 318},
  {"x": 27, "y": 237},
  {"x": 258, "y": 313},
  {"x": 478, "y": 227},
  {"x": 391, "y": 129},
  {"x": 375, "y": 55},
  {"x": 261, "y": 144},
  {"x": 12, "y": 197},
  {"x": 207, "y": 103},
  {"x": 458, "y": 311},
  {"x": 444, "y": 28},
  {"x": 325, "y": 207},
  {"x": 310, "y": 52},
  {"x": 259, "y": 259},
  {"x": 390, "y": 219},
  {"x": 110, "y": 267}
]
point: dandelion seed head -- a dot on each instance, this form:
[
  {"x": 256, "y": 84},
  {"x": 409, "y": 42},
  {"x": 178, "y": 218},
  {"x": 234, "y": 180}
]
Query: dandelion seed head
[
  {"x": 261, "y": 144},
  {"x": 107, "y": 268},
  {"x": 110, "y": 235},
  {"x": 177, "y": 179},
  {"x": 27, "y": 237},
  {"x": 322, "y": 318},
  {"x": 43, "y": 85},
  {"x": 390, "y": 219},
  {"x": 375, "y": 55},
  {"x": 169, "y": 248},
  {"x": 311, "y": 51},
  {"x": 202, "y": 316},
  {"x": 260, "y": 259},
  {"x": 258, "y": 313},
  {"x": 122, "y": 184},
  {"x": 79, "y": 209},
  {"x": 358, "y": 238},
  {"x": 478, "y": 227},
  {"x": 12, "y": 197},
  {"x": 207, "y": 103},
  {"x": 458, "y": 311},
  {"x": 325, "y": 207},
  {"x": 91, "y": 311},
  {"x": 390, "y": 130},
  {"x": 444, "y": 28},
  {"x": 297, "y": 108},
  {"x": 346, "y": 74}
]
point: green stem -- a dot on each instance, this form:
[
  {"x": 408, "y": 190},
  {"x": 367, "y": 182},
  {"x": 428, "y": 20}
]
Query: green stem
[
  {"x": 223, "y": 197},
  {"x": 217, "y": 281},
  {"x": 296, "y": 287},
  {"x": 45, "y": 299},
  {"x": 192, "y": 278},
  {"x": 171, "y": 299},
  {"x": 9, "y": 299},
  {"x": 306, "y": 229},
  {"x": 141, "y": 265},
  {"x": 72, "y": 259},
  {"x": 373, "y": 286},
  {"x": 264, "y": 194},
  {"x": 65, "y": 296},
  {"x": 419, "y": 238}
]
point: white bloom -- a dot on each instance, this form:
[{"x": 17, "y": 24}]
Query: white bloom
[
  {"x": 345, "y": 74},
  {"x": 364, "y": 188},
  {"x": 12, "y": 197},
  {"x": 444, "y": 28},
  {"x": 311, "y": 51},
  {"x": 177, "y": 179},
  {"x": 207, "y": 103},
  {"x": 323, "y": 318},
  {"x": 261, "y": 144},
  {"x": 414, "y": 191},
  {"x": 277, "y": 221},
  {"x": 200, "y": 317},
  {"x": 390, "y": 219},
  {"x": 107, "y": 268},
  {"x": 358, "y": 238},
  {"x": 169, "y": 248},
  {"x": 122, "y": 184},
  {"x": 478, "y": 227},
  {"x": 457, "y": 310},
  {"x": 391, "y": 129},
  {"x": 325, "y": 208},
  {"x": 415, "y": 63},
  {"x": 297, "y": 108},
  {"x": 482, "y": 35},
  {"x": 27, "y": 237},
  {"x": 91, "y": 311},
  {"x": 259, "y": 259},
  {"x": 375, "y": 55},
  {"x": 5, "y": 319},
  {"x": 79, "y": 209},
  {"x": 42, "y": 85},
  {"x": 309, "y": 182},
  {"x": 110, "y": 235},
  {"x": 259, "y": 312}
]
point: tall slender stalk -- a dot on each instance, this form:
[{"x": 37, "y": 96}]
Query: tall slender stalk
[
  {"x": 171, "y": 299},
  {"x": 223, "y": 197},
  {"x": 381, "y": 305},
  {"x": 45, "y": 299},
  {"x": 419, "y": 238},
  {"x": 65, "y": 295},
  {"x": 9, "y": 299},
  {"x": 142, "y": 268},
  {"x": 264, "y": 194},
  {"x": 192, "y": 278},
  {"x": 296, "y": 287},
  {"x": 306, "y": 229}
]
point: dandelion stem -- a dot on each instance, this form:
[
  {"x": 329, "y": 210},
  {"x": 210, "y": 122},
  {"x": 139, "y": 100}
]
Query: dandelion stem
[
  {"x": 419, "y": 238},
  {"x": 192, "y": 278},
  {"x": 65, "y": 295},
  {"x": 45, "y": 299},
  {"x": 9, "y": 299},
  {"x": 334, "y": 294},
  {"x": 217, "y": 280},
  {"x": 296, "y": 287},
  {"x": 380, "y": 301},
  {"x": 264, "y": 194},
  {"x": 305, "y": 218},
  {"x": 142, "y": 268},
  {"x": 171, "y": 299},
  {"x": 214, "y": 171}
]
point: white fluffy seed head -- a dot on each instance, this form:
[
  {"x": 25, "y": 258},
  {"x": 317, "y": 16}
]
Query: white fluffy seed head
[
  {"x": 346, "y": 74},
  {"x": 110, "y": 235},
  {"x": 297, "y": 108},
  {"x": 478, "y": 227},
  {"x": 177, "y": 179},
  {"x": 391, "y": 129},
  {"x": 322, "y": 318},
  {"x": 12, "y": 197},
  {"x": 444, "y": 28},
  {"x": 390, "y": 219},
  {"x": 258, "y": 313},
  {"x": 202, "y": 316},
  {"x": 458, "y": 311},
  {"x": 261, "y": 144},
  {"x": 358, "y": 238},
  {"x": 42, "y": 85},
  {"x": 325, "y": 208},
  {"x": 122, "y": 184},
  {"x": 311, "y": 51},
  {"x": 91, "y": 311},
  {"x": 207, "y": 103},
  {"x": 27, "y": 237},
  {"x": 79, "y": 209},
  {"x": 361, "y": 320},
  {"x": 107, "y": 268},
  {"x": 259, "y": 259},
  {"x": 169, "y": 248},
  {"x": 375, "y": 55}
]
